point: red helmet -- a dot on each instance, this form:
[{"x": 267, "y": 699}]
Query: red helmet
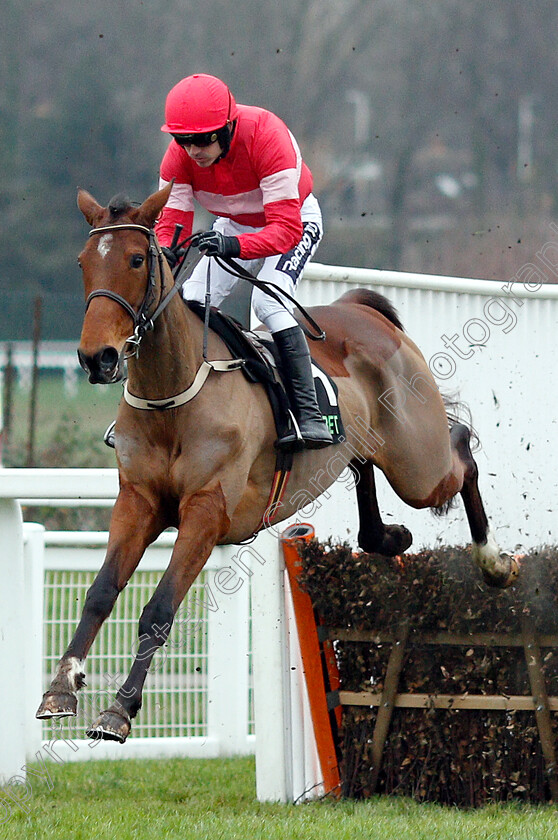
[{"x": 198, "y": 104}]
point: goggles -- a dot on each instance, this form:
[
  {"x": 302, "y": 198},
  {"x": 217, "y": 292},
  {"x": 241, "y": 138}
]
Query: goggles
[{"x": 199, "y": 140}]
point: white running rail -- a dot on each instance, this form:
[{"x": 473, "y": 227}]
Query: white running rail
[{"x": 494, "y": 343}]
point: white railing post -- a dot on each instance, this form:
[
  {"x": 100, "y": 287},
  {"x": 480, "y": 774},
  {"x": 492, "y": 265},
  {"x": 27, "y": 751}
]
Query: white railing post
[
  {"x": 227, "y": 594},
  {"x": 274, "y": 781},
  {"x": 33, "y": 581},
  {"x": 13, "y": 638},
  {"x": 306, "y": 773}
]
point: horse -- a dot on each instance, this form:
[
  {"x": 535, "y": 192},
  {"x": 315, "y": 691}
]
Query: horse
[{"x": 204, "y": 465}]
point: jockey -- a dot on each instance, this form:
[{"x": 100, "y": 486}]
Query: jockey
[{"x": 242, "y": 164}]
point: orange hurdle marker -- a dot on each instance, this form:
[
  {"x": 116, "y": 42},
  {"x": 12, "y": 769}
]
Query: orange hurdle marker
[{"x": 318, "y": 660}]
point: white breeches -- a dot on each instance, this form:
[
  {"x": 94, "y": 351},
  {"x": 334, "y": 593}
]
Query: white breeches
[{"x": 284, "y": 270}]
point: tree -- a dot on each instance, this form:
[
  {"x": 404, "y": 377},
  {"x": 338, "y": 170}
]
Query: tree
[{"x": 84, "y": 86}]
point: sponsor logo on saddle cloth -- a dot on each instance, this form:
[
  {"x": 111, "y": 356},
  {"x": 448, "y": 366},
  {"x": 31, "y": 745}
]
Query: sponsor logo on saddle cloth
[{"x": 326, "y": 392}]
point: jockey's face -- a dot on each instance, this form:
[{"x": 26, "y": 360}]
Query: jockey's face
[{"x": 204, "y": 156}]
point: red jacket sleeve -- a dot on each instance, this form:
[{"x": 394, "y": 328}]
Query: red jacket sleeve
[
  {"x": 279, "y": 166},
  {"x": 282, "y": 231}
]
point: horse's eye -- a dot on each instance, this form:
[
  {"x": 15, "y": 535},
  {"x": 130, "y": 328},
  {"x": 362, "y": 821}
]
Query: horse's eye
[
  {"x": 79, "y": 262},
  {"x": 137, "y": 260}
]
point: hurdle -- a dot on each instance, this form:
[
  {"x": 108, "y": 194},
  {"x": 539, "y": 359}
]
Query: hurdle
[
  {"x": 296, "y": 698},
  {"x": 406, "y": 644},
  {"x": 297, "y": 750}
]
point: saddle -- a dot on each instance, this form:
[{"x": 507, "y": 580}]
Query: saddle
[{"x": 261, "y": 363}]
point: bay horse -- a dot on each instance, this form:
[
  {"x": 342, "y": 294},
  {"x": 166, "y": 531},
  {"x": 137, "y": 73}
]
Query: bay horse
[{"x": 205, "y": 467}]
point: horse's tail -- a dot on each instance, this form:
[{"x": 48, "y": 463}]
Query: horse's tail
[
  {"x": 374, "y": 300},
  {"x": 457, "y": 411}
]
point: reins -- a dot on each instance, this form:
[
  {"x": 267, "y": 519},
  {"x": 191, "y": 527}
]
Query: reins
[
  {"x": 143, "y": 322},
  {"x": 273, "y": 291},
  {"x": 236, "y": 270}
]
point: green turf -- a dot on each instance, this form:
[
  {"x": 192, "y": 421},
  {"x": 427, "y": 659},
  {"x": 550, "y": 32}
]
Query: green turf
[
  {"x": 215, "y": 800},
  {"x": 69, "y": 426}
]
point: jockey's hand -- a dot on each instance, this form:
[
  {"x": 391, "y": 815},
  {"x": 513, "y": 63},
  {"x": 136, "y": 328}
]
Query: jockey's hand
[
  {"x": 171, "y": 256},
  {"x": 215, "y": 244}
]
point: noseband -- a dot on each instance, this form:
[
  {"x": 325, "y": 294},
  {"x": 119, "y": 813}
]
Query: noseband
[{"x": 141, "y": 320}]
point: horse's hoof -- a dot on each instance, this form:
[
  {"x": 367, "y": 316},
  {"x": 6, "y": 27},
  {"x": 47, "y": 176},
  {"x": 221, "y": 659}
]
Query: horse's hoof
[
  {"x": 111, "y": 725},
  {"x": 514, "y": 572},
  {"x": 53, "y": 705},
  {"x": 396, "y": 539},
  {"x": 505, "y": 575}
]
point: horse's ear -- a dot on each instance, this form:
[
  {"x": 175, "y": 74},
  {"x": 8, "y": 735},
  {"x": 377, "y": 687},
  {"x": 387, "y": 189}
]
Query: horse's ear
[
  {"x": 152, "y": 206},
  {"x": 90, "y": 208}
]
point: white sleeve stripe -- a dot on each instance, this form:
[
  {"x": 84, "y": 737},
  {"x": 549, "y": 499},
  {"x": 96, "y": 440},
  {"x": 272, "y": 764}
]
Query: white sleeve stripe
[
  {"x": 181, "y": 197},
  {"x": 298, "y": 154},
  {"x": 280, "y": 185}
]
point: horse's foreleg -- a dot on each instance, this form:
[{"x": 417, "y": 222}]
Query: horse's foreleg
[
  {"x": 203, "y": 520},
  {"x": 498, "y": 568},
  {"x": 373, "y": 535},
  {"x": 133, "y": 527}
]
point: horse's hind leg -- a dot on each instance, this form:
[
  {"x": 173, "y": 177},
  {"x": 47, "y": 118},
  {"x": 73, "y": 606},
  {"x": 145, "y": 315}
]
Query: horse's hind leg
[
  {"x": 373, "y": 535},
  {"x": 498, "y": 569}
]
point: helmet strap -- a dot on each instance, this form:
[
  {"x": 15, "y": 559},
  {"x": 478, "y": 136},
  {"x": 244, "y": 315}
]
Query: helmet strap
[{"x": 224, "y": 137}]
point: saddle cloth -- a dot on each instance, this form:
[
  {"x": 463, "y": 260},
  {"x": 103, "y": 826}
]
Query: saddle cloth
[{"x": 262, "y": 364}]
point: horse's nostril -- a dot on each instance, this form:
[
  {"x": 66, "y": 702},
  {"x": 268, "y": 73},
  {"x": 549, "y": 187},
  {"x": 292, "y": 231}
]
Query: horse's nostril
[
  {"x": 101, "y": 367},
  {"x": 108, "y": 358},
  {"x": 83, "y": 360}
]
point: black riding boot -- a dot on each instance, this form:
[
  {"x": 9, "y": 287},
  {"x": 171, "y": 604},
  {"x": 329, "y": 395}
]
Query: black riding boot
[{"x": 299, "y": 382}]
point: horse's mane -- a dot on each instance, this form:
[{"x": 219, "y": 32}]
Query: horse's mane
[
  {"x": 376, "y": 301},
  {"x": 118, "y": 205}
]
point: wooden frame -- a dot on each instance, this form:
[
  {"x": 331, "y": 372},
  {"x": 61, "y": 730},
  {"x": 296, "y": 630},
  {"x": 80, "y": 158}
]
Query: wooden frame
[
  {"x": 326, "y": 698},
  {"x": 388, "y": 699}
]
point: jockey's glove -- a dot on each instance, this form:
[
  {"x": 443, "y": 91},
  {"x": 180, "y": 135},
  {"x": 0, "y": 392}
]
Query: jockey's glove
[
  {"x": 215, "y": 244},
  {"x": 171, "y": 256}
]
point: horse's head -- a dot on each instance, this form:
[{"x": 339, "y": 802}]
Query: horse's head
[{"x": 118, "y": 274}]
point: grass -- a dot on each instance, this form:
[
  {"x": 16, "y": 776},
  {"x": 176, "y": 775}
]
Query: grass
[
  {"x": 214, "y": 799},
  {"x": 69, "y": 428},
  {"x": 63, "y": 419},
  {"x": 192, "y": 799}
]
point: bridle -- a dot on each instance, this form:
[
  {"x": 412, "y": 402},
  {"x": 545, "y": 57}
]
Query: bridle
[{"x": 143, "y": 322}]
